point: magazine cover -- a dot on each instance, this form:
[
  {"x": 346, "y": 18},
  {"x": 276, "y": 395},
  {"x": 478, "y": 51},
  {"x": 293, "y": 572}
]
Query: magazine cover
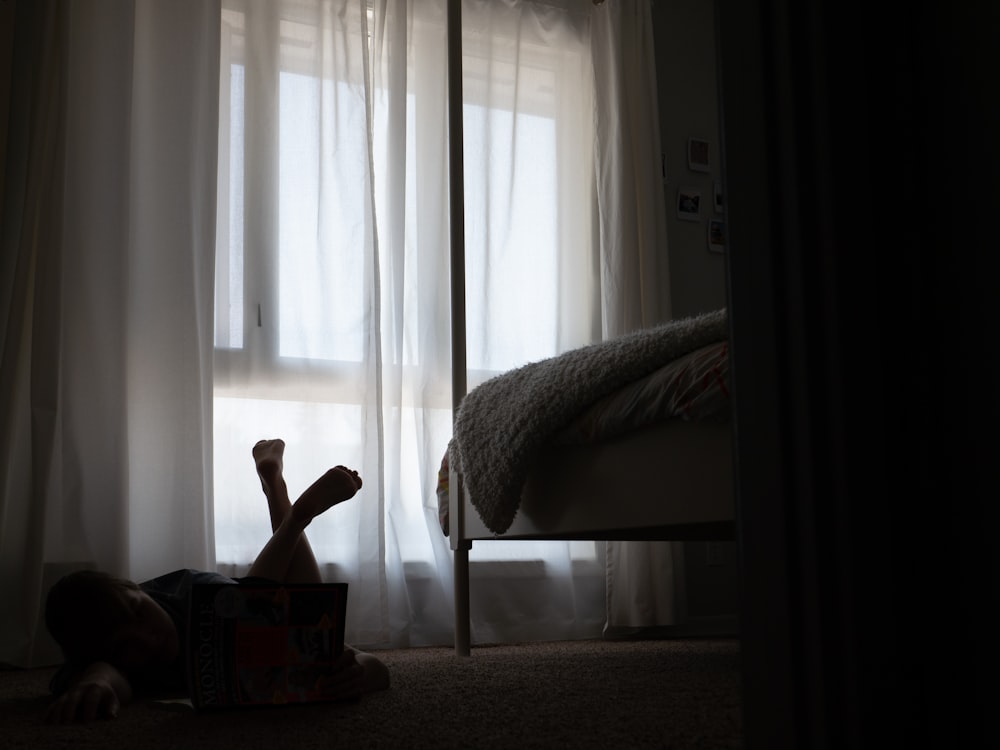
[{"x": 263, "y": 644}]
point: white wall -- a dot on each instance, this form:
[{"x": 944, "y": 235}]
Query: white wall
[{"x": 684, "y": 32}]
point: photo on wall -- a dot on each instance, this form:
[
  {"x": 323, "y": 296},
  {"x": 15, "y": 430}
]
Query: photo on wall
[
  {"x": 689, "y": 204},
  {"x": 698, "y": 160},
  {"x": 716, "y": 235}
]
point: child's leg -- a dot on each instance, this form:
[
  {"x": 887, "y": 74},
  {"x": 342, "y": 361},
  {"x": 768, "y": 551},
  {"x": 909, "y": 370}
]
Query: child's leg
[
  {"x": 268, "y": 456},
  {"x": 287, "y": 555}
]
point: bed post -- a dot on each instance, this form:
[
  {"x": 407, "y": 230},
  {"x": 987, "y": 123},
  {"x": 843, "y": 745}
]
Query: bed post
[
  {"x": 456, "y": 186},
  {"x": 463, "y": 636},
  {"x": 460, "y": 547}
]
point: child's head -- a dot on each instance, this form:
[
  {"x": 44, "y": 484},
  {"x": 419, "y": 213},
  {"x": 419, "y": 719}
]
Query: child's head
[
  {"x": 97, "y": 617},
  {"x": 83, "y": 609}
]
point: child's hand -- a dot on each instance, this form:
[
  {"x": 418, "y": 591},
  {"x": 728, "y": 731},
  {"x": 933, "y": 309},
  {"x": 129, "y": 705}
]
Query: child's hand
[
  {"x": 85, "y": 701},
  {"x": 97, "y": 693}
]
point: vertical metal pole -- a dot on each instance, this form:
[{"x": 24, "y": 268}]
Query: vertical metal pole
[{"x": 456, "y": 182}]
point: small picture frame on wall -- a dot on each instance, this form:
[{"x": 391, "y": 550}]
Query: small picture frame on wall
[
  {"x": 698, "y": 159},
  {"x": 689, "y": 203},
  {"x": 717, "y": 235}
]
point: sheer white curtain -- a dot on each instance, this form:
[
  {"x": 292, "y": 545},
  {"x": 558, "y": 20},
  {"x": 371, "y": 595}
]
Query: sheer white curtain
[
  {"x": 332, "y": 327},
  {"x": 107, "y": 240},
  {"x": 634, "y": 266},
  {"x": 532, "y": 269}
]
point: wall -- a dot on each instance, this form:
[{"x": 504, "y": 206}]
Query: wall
[{"x": 684, "y": 33}]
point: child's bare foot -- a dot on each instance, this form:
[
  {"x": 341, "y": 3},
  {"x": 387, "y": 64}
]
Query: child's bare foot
[
  {"x": 336, "y": 486},
  {"x": 267, "y": 454}
]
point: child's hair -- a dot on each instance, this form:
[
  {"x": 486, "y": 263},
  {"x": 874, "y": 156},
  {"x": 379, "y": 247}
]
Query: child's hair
[{"x": 82, "y": 609}]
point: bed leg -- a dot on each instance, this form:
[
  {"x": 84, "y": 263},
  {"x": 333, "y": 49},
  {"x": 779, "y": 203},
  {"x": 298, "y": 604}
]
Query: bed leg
[{"x": 462, "y": 628}]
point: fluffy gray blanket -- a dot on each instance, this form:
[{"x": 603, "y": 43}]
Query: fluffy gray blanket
[{"x": 502, "y": 424}]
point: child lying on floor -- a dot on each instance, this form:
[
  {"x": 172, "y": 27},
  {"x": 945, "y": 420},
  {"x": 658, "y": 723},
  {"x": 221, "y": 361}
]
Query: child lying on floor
[{"x": 120, "y": 639}]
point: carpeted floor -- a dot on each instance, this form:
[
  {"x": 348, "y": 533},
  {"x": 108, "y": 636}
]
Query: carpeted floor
[{"x": 664, "y": 694}]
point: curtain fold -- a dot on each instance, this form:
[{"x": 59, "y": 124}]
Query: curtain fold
[
  {"x": 634, "y": 269},
  {"x": 28, "y": 407},
  {"x": 635, "y": 274},
  {"x": 107, "y": 453},
  {"x": 169, "y": 302}
]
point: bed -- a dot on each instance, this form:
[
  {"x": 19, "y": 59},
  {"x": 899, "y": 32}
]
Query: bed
[
  {"x": 514, "y": 468},
  {"x": 628, "y": 439}
]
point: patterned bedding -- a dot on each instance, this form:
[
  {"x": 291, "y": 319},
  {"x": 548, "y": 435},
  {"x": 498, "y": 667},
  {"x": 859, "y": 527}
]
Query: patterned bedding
[{"x": 693, "y": 387}]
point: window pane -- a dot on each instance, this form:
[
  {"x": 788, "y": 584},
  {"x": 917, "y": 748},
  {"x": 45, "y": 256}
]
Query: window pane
[
  {"x": 322, "y": 227},
  {"x": 512, "y": 259}
]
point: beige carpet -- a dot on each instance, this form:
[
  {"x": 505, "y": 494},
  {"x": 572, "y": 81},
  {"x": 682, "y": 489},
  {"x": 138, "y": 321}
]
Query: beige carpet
[{"x": 608, "y": 694}]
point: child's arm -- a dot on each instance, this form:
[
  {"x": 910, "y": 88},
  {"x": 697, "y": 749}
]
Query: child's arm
[{"x": 98, "y": 692}]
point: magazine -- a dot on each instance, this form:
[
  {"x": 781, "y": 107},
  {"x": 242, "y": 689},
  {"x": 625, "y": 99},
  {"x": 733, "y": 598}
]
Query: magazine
[{"x": 257, "y": 644}]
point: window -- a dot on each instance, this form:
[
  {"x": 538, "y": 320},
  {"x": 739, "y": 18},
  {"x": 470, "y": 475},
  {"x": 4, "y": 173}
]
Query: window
[
  {"x": 289, "y": 272},
  {"x": 332, "y": 315}
]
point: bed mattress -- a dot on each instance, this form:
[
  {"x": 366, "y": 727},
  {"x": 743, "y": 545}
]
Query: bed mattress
[{"x": 692, "y": 387}]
